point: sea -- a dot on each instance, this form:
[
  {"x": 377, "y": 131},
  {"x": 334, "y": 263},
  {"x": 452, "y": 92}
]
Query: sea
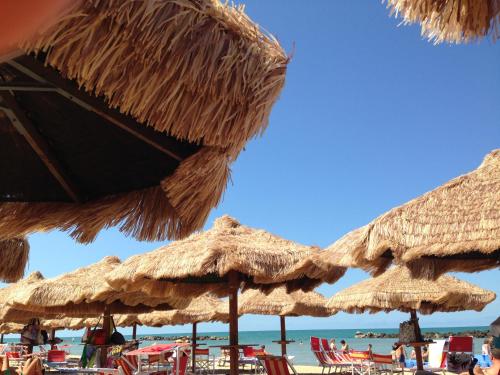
[{"x": 300, "y": 348}]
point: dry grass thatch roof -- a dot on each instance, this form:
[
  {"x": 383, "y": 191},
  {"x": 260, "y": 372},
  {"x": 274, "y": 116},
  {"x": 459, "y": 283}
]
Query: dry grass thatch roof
[
  {"x": 199, "y": 70},
  {"x": 14, "y": 254},
  {"x": 453, "y": 21},
  {"x": 455, "y": 227},
  {"x": 202, "y": 261},
  {"x": 396, "y": 289},
  {"x": 196, "y": 70},
  {"x": 6, "y": 328},
  {"x": 85, "y": 292},
  {"x": 205, "y": 308},
  {"x": 279, "y": 301}
]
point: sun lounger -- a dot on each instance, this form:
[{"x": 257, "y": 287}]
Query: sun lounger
[
  {"x": 383, "y": 363},
  {"x": 250, "y": 358},
  {"x": 460, "y": 353},
  {"x": 274, "y": 365},
  {"x": 323, "y": 358},
  {"x": 361, "y": 362},
  {"x": 205, "y": 363}
]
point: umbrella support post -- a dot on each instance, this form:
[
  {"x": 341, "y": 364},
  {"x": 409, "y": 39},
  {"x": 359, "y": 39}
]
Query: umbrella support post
[
  {"x": 134, "y": 331},
  {"x": 283, "y": 335},
  {"x": 52, "y": 338},
  {"x": 193, "y": 347},
  {"x": 233, "y": 277},
  {"x": 1, "y": 338},
  {"x": 418, "y": 349},
  {"x": 106, "y": 326}
]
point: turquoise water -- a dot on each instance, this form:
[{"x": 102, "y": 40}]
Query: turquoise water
[{"x": 300, "y": 348}]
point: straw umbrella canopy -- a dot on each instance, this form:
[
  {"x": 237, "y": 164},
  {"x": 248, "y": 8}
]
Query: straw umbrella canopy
[
  {"x": 279, "y": 301},
  {"x": 452, "y": 21},
  {"x": 455, "y": 227},
  {"x": 85, "y": 292},
  {"x": 397, "y": 289},
  {"x": 161, "y": 96},
  {"x": 220, "y": 260}
]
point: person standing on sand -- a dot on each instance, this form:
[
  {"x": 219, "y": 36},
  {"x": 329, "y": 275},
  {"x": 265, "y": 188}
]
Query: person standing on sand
[{"x": 399, "y": 354}]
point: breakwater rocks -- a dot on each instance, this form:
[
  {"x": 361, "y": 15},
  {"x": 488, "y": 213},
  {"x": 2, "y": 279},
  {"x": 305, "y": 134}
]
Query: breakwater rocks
[
  {"x": 427, "y": 335},
  {"x": 183, "y": 338}
]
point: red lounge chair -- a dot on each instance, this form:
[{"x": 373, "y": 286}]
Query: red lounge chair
[
  {"x": 125, "y": 367},
  {"x": 323, "y": 359},
  {"x": 56, "y": 356},
  {"x": 274, "y": 365},
  {"x": 460, "y": 353}
]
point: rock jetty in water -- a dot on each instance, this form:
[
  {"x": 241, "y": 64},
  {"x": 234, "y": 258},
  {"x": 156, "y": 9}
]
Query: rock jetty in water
[{"x": 427, "y": 335}]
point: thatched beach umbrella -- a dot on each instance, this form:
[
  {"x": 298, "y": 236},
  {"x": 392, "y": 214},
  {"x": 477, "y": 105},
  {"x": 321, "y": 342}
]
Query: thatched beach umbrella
[
  {"x": 220, "y": 260},
  {"x": 85, "y": 292},
  {"x": 455, "y": 227},
  {"x": 453, "y": 21},
  {"x": 279, "y": 301},
  {"x": 396, "y": 289},
  {"x": 161, "y": 96}
]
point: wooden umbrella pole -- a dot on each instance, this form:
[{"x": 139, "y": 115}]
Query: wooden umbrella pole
[
  {"x": 134, "y": 331},
  {"x": 233, "y": 277},
  {"x": 193, "y": 344},
  {"x": 106, "y": 326},
  {"x": 283, "y": 335},
  {"x": 418, "y": 349}
]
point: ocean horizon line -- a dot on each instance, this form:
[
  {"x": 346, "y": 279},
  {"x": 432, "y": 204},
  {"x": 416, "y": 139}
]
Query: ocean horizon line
[{"x": 200, "y": 333}]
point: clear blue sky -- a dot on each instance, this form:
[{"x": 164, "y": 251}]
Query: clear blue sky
[{"x": 371, "y": 117}]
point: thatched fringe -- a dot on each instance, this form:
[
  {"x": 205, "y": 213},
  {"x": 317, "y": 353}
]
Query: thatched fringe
[
  {"x": 144, "y": 214},
  {"x": 453, "y": 21},
  {"x": 396, "y": 289},
  {"x": 208, "y": 169},
  {"x": 455, "y": 227},
  {"x": 197, "y": 69},
  {"x": 14, "y": 254},
  {"x": 194, "y": 189},
  {"x": 202, "y": 261}
]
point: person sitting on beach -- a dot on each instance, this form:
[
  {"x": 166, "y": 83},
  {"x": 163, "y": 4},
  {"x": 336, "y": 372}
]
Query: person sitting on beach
[
  {"x": 425, "y": 354},
  {"x": 333, "y": 346},
  {"x": 495, "y": 359},
  {"x": 344, "y": 346},
  {"x": 33, "y": 366}
]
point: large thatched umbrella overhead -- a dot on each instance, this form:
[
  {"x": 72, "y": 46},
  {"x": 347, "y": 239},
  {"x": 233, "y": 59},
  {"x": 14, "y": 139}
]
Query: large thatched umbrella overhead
[
  {"x": 455, "y": 227},
  {"x": 279, "y": 301},
  {"x": 220, "y": 260},
  {"x": 397, "y": 289},
  {"x": 453, "y": 21},
  {"x": 161, "y": 97}
]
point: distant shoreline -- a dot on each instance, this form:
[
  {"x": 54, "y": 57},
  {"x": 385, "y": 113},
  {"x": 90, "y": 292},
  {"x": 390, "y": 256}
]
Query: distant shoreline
[{"x": 387, "y": 331}]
